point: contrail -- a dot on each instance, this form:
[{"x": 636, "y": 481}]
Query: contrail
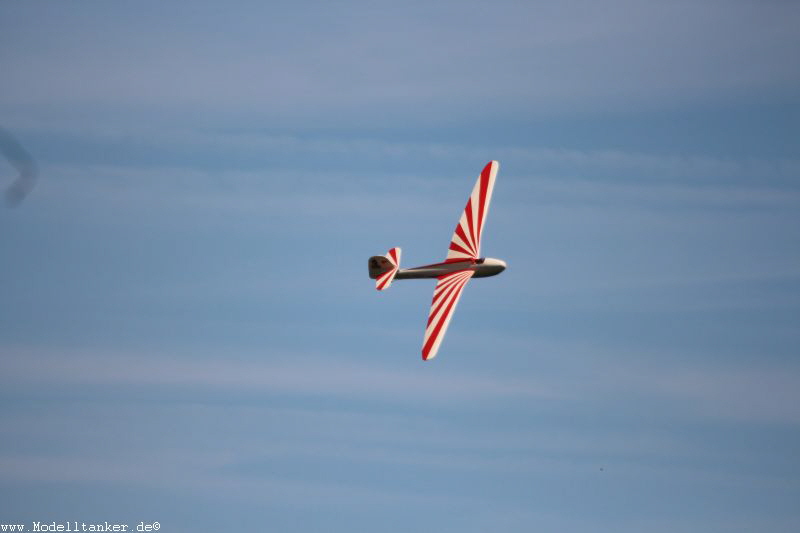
[{"x": 21, "y": 160}]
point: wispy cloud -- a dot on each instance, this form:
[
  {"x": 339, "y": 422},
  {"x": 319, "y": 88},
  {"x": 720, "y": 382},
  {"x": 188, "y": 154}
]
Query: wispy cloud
[
  {"x": 765, "y": 394},
  {"x": 289, "y": 374},
  {"x": 424, "y": 62},
  {"x": 273, "y": 179}
]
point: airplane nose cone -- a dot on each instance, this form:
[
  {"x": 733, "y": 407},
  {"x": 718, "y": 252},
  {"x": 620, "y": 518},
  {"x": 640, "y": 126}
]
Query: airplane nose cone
[
  {"x": 497, "y": 265},
  {"x": 489, "y": 267}
]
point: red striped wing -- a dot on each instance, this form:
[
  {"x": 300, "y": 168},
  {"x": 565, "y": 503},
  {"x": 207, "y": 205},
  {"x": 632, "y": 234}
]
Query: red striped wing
[
  {"x": 466, "y": 241},
  {"x": 445, "y": 297}
]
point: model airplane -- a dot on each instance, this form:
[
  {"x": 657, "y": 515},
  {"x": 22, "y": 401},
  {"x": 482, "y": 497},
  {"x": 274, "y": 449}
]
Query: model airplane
[{"x": 463, "y": 262}]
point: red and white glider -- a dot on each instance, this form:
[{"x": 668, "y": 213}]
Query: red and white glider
[{"x": 463, "y": 263}]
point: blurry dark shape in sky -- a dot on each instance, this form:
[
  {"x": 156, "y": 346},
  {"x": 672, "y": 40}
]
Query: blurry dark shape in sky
[{"x": 21, "y": 160}]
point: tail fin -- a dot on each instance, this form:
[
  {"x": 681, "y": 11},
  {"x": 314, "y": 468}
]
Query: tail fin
[{"x": 383, "y": 268}]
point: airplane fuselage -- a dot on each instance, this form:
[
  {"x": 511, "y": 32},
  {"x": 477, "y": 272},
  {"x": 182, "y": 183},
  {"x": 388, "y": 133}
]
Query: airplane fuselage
[{"x": 483, "y": 268}]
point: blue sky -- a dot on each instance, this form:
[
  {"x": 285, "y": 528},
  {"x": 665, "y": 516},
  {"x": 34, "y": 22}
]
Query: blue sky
[{"x": 189, "y": 336}]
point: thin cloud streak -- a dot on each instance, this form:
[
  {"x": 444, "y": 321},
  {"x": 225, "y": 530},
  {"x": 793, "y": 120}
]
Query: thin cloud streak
[
  {"x": 392, "y": 60},
  {"x": 541, "y": 175},
  {"x": 766, "y": 395},
  {"x": 263, "y": 150},
  {"x": 299, "y": 375},
  {"x": 200, "y": 473}
]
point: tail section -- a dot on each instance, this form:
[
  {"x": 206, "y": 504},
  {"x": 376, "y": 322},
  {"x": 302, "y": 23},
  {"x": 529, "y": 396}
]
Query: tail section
[{"x": 383, "y": 268}]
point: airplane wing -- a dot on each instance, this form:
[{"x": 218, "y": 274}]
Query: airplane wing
[
  {"x": 466, "y": 241},
  {"x": 445, "y": 297}
]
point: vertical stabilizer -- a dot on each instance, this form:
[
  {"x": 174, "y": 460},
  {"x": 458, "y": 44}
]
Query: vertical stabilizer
[{"x": 383, "y": 268}]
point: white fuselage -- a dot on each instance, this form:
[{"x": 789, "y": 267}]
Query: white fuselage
[{"x": 483, "y": 268}]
